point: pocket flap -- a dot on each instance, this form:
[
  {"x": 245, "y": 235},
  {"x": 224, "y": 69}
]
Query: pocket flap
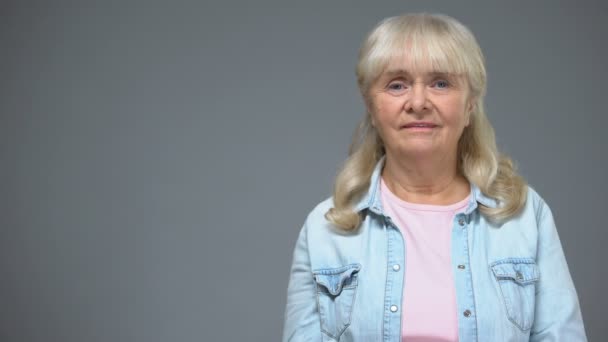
[
  {"x": 334, "y": 279},
  {"x": 520, "y": 270}
]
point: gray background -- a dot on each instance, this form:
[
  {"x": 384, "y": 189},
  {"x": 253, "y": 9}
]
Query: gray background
[{"x": 157, "y": 160}]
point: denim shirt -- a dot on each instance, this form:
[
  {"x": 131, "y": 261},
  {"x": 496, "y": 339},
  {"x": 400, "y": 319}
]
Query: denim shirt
[{"x": 512, "y": 281}]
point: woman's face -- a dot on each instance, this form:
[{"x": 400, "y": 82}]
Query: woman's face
[{"x": 418, "y": 112}]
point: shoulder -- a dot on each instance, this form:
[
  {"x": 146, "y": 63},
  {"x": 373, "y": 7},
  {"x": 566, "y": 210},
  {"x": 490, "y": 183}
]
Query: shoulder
[
  {"x": 535, "y": 202},
  {"x": 532, "y": 212},
  {"x": 317, "y": 226},
  {"x": 320, "y": 209},
  {"x": 315, "y": 219}
]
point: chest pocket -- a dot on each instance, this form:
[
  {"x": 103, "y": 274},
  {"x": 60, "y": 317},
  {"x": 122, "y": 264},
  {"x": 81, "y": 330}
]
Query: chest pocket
[
  {"x": 517, "y": 278},
  {"x": 336, "y": 290}
]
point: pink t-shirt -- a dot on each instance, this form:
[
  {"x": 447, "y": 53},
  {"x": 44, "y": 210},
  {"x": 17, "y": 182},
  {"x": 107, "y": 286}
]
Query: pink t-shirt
[{"x": 429, "y": 298}]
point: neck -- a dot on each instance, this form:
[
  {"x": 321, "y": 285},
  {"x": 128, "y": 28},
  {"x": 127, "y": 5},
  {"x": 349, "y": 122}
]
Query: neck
[{"x": 428, "y": 180}]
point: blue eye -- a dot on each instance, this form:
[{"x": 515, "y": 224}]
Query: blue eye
[
  {"x": 395, "y": 86},
  {"x": 442, "y": 84}
]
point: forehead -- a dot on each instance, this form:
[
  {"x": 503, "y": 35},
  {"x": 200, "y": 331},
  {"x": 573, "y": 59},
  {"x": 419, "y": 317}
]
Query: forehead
[{"x": 430, "y": 56}]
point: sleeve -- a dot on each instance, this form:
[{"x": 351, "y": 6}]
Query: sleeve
[
  {"x": 302, "y": 322},
  {"x": 557, "y": 312}
]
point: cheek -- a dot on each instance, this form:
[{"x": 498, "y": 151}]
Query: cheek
[
  {"x": 457, "y": 114},
  {"x": 378, "y": 113},
  {"x": 387, "y": 109},
  {"x": 381, "y": 124}
]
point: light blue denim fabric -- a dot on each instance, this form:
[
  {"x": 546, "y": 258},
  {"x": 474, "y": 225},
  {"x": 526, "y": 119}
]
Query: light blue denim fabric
[{"x": 512, "y": 281}]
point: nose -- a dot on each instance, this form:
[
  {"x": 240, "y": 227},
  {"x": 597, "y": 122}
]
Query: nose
[{"x": 418, "y": 99}]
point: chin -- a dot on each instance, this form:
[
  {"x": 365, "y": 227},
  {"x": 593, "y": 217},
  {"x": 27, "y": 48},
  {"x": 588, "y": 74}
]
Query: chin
[{"x": 422, "y": 151}]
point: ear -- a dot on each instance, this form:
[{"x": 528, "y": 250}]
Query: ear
[
  {"x": 469, "y": 111},
  {"x": 369, "y": 112}
]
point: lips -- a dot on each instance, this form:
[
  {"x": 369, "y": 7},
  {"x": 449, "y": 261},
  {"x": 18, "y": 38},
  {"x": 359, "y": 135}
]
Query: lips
[{"x": 419, "y": 125}]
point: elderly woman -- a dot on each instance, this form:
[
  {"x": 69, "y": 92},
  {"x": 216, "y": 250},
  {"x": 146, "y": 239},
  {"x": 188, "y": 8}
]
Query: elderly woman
[{"x": 430, "y": 235}]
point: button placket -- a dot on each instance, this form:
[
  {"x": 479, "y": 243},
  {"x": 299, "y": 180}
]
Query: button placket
[
  {"x": 463, "y": 280},
  {"x": 394, "y": 292}
]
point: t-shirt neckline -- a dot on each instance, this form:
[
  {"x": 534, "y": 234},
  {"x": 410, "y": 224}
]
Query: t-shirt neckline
[{"x": 418, "y": 206}]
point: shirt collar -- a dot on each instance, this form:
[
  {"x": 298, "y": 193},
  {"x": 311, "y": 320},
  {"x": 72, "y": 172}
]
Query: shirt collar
[{"x": 373, "y": 201}]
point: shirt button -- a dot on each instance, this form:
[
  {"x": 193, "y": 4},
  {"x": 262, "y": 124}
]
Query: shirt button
[
  {"x": 461, "y": 267},
  {"x": 461, "y": 222},
  {"x": 393, "y": 308},
  {"x": 396, "y": 267},
  {"x": 518, "y": 275},
  {"x": 466, "y": 313}
]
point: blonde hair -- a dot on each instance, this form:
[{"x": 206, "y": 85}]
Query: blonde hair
[{"x": 449, "y": 47}]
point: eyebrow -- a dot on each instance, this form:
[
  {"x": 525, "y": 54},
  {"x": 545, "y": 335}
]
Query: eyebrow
[{"x": 397, "y": 72}]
